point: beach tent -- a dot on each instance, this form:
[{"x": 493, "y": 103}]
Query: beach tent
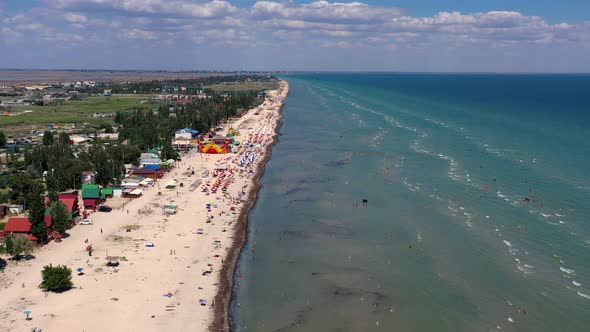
[
  {"x": 170, "y": 184},
  {"x": 146, "y": 182},
  {"x": 136, "y": 192}
]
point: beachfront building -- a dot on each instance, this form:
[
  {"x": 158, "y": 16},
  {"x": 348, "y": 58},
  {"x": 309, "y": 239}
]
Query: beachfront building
[
  {"x": 185, "y": 134},
  {"x": 90, "y": 195},
  {"x": 71, "y": 203},
  {"x": 147, "y": 172},
  {"x": 168, "y": 165},
  {"x": 149, "y": 158},
  {"x": 78, "y": 140},
  {"x": 18, "y": 227},
  {"x": 130, "y": 183}
]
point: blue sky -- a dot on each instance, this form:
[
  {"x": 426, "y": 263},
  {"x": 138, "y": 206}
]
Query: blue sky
[{"x": 372, "y": 35}]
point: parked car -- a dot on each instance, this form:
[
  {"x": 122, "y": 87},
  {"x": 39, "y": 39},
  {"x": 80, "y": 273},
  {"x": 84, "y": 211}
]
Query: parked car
[
  {"x": 104, "y": 208},
  {"x": 86, "y": 222}
]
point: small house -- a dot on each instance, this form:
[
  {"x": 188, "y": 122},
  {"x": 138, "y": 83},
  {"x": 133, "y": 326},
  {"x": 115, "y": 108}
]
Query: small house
[
  {"x": 18, "y": 227},
  {"x": 90, "y": 195}
]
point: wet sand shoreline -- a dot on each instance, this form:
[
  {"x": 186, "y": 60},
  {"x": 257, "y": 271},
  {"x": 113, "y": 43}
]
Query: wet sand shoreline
[{"x": 222, "y": 320}]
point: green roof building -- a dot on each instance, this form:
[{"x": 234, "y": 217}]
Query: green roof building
[
  {"x": 106, "y": 192},
  {"x": 90, "y": 191}
]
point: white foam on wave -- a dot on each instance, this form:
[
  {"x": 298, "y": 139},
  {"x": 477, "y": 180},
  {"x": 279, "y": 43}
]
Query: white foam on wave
[
  {"x": 568, "y": 271},
  {"x": 525, "y": 268},
  {"x": 584, "y": 295},
  {"x": 507, "y": 243},
  {"x": 499, "y": 193},
  {"x": 575, "y": 283}
]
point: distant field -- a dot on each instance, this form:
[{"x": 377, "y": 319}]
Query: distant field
[
  {"x": 243, "y": 86},
  {"x": 57, "y": 76},
  {"x": 73, "y": 111}
]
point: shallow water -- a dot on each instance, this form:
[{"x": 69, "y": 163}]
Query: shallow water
[{"x": 477, "y": 190}]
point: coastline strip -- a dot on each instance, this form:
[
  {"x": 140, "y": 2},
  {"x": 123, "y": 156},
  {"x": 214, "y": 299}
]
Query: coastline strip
[{"x": 223, "y": 299}]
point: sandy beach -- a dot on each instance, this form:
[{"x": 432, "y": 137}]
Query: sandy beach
[{"x": 155, "y": 288}]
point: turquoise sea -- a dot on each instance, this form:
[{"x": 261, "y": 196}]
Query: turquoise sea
[{"x": 477, "y": 215}]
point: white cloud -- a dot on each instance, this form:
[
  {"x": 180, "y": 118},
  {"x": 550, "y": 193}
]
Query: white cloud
[
  {"x": 75, "y": 18},
  {"x": 339, "y": 24},
  {"x": 323, "y": 11}
]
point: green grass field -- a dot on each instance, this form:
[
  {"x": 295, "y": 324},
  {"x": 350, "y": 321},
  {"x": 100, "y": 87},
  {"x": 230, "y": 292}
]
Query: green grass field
[{"x": 74, "y": 111}]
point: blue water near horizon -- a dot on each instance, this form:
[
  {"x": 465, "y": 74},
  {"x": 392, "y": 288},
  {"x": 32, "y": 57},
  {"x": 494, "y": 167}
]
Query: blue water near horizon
[{"x": 478, "y": 199}]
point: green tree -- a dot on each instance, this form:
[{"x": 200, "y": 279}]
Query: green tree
[
  {"x": 20, "y": 185},
  {"x": 2, "y": 140},
  {"x": 53, "y": 196},
  {"x": 59, "y": 211},
  {"x": 9, "y": 247},
  {"x": 48, "y": 138},
  {"x": 18, "y": 246},
  {"x": 56, "y": 278},
  {"x": 64, "y": 138},
  {"x": 36, "y": 207},
  {"x": 168, "y": 151}
]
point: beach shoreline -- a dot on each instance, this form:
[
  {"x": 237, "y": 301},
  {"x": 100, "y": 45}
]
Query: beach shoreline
[
  {"x": 184, "y": 279},
  {"x": 222, "y": 320}
]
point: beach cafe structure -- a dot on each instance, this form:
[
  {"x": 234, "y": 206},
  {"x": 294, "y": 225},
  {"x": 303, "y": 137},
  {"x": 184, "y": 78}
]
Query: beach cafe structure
[{"x": 185, "y": 139}]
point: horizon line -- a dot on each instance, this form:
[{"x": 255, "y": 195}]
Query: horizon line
[{"x": 293, "y": 71}]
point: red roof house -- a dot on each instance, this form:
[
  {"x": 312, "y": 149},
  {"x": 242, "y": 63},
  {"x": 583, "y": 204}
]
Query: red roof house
[
  {"x": 18, "y": 225},
  {"x": 69, "y": 202}
]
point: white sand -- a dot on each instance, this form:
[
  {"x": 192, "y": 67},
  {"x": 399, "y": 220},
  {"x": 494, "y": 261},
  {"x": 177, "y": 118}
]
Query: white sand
[{"x": 131, "y": 296}]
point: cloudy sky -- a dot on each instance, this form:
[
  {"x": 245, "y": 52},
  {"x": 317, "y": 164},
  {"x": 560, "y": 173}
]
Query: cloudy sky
[{"x": 376, "y": 35}]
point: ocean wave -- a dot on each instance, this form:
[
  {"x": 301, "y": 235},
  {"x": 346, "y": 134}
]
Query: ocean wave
[
  {"x": 525, "y": 268},
  {"x": 584, "y": 295},
  {"x": 568, "y": 271},
  {"x": 377, "y": 139},
  {"x": 437, "y": 122}
]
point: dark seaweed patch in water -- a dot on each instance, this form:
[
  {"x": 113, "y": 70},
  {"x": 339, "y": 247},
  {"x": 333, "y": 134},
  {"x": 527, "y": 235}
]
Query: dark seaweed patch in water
[
  {"x": 313, "y": 180},
  {"x": 377, "y": 300},
  {"x": 302, "y": 200},
  {"x": 293, "y": 235},
  {"x": 294, "y": 191},
  {"x": 338, "y": 232},
  {"x": 299, "y": 319},
  {"x": 334, "y": 229},
  {"x": 340, "y": 162},
  {"x": 343, "y": 291}
]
